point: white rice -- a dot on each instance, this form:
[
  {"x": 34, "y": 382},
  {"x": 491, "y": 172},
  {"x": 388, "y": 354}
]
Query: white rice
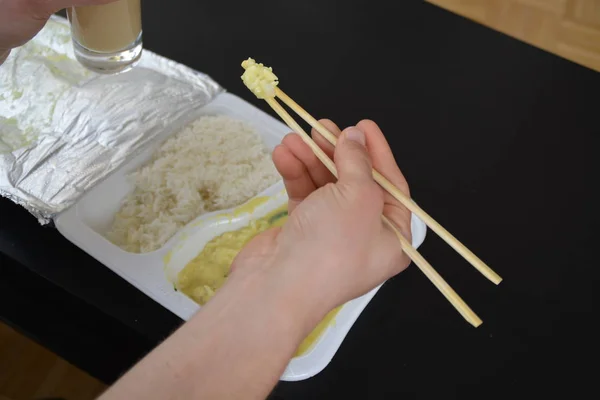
[{"x": 213, "y": 164}]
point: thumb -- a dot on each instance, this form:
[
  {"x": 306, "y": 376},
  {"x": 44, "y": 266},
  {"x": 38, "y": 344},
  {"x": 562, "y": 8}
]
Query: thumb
[{"x": 351, "y": 157}]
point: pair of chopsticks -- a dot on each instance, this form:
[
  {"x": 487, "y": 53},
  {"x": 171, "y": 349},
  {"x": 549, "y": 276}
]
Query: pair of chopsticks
[{"x": 406, "y": 246}]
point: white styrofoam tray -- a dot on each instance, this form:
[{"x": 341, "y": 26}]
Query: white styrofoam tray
[{"x": 154, "y": 273}]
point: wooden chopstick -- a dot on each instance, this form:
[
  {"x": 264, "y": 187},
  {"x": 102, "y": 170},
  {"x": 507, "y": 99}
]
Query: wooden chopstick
[
  {"x": 399, "y": 195},
  {"x": 435, "y": 278}
]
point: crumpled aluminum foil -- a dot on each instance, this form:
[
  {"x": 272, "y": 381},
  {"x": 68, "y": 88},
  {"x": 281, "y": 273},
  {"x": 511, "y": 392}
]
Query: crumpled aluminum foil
[{"x": 64, "y": 128}]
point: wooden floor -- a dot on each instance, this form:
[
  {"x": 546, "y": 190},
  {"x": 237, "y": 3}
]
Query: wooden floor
[{"x": 569, "y": 28}]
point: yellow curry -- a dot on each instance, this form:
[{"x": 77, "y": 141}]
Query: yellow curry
[{"x": 206, "y": 273}]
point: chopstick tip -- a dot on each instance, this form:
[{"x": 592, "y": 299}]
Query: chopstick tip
[
  {"x": 496, "y": 279},
  {"x": 476, "y": 323}
]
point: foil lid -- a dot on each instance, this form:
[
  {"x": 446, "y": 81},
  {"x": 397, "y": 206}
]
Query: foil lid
[{"x": 64, "y": 128}]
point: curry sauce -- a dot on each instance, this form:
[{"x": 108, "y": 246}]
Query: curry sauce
[{"x": 207, "y": 272}]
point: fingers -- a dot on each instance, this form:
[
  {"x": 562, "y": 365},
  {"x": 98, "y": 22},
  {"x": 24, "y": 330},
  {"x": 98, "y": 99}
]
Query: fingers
[
  {"x": 352, "y": 158},
  {"x": 319, "y": 174},
  {"x": 382, "y": 156},
  {"x": 384, "y": 162},
  {"x": 20, "y": 20},
  {"x": 301, "y": 170},
  {"x": 296, "y": 178},
  {"x": 42, "y": 10},
  {"x": 327, "y": 147}
]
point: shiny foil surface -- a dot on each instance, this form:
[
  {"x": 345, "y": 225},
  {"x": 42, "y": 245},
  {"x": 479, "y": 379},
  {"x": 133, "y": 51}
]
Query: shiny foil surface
[{"x": 64, "y": 128}]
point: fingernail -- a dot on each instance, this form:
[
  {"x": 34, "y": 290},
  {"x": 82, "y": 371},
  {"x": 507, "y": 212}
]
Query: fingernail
[{"x": 356, "y": 135}]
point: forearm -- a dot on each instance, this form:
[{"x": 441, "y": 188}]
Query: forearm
[{"x": 237, "y": 346}]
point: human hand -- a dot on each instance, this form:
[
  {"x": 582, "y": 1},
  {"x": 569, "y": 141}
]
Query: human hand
[
  {"x": 334, "y": 246},
  {"x": 21, "y": 20}
]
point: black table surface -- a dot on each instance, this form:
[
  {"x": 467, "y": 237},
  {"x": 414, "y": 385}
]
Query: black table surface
[{"x": 497, "y": 140}]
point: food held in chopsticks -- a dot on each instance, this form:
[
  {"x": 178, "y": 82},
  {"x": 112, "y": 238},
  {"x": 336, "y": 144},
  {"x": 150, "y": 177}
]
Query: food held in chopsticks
[
  {"x": 204, "y": 275},
  {"x": 415, "y": 256},
  {"x": 259, "y": 79}
]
